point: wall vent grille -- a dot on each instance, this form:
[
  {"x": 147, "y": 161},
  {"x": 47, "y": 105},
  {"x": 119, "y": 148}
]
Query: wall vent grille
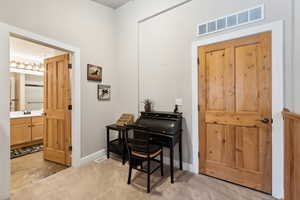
[{"x": 233, "y": 20}]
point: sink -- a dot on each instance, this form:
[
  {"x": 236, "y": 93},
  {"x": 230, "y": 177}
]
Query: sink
[{"x": 20, "y": 114}]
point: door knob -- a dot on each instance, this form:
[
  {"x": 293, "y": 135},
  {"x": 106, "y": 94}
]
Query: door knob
[{"x": 264, "y": 120}]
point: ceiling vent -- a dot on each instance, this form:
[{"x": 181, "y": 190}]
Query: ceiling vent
[{"x": 231, "y": 21}]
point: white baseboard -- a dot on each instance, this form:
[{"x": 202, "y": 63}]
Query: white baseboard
[
  {"x": 102, "y": 155},
  {"x": 186, "y": 166},
  {"x": 93, "y": 156}
]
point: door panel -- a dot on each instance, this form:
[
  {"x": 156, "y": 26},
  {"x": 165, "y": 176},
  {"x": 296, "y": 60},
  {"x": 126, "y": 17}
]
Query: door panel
[
  {"x": 247, "y": 153},
  {"x": 234, "y": 95},
  {"x": 247, "y": 78},
  {"x": 215, "y": 81},
  {"x": 219, "y": 144},
  {"x": 57, "y": 120}
]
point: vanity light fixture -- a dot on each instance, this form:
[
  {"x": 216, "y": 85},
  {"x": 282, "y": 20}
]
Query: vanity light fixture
[{"x": 33, "y": 67}]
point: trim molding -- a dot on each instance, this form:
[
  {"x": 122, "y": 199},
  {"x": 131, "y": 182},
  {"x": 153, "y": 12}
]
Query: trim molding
[
  {"x": 5, "y": 32},
  {"x": 186, "y": 166},
  {"x": 93, "y": 156},
  {"x": 277, "y": 29}
]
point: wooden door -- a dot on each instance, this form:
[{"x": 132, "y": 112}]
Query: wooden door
[
  {"x": 37, "y": 131},
  {"x": 291, "y": 156},
  {"x": 20, "y": 130},
  {"x": 57, "y": 120},
  {"x": 235, "y": 115}
]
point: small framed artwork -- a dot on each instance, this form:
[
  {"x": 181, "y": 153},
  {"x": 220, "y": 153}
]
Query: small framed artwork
[
  {"x": 94, "y": 73},
  {"x": 104, "y": 92}
]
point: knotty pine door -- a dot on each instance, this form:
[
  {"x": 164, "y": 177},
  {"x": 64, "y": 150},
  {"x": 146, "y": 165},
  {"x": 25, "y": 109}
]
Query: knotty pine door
[
  {"x": 235, "y": 117},
  {"x": 57, "y": 120}
]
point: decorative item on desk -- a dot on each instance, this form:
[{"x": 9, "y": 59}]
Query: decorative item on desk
[
  {"x": 147, "y": 105},
  {"x": 178, "y": 102},
  {"x": 94, "y": 73},
  {"x": 125, "y": 119},
  {"x": 104, "y": 92}
]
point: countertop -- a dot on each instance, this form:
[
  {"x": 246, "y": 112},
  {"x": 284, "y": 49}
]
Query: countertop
[{"x": 20, "y": 114}]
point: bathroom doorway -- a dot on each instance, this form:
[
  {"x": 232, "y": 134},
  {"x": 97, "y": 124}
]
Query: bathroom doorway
[{"x": 40, "y": 115}]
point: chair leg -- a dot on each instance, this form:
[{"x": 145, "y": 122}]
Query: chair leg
[
  {"x": 141, "y": 164},
  {"x": 162, "y": 163},
  {"x": 129, "y": 174},
  {"x": 148, "y": 175}
]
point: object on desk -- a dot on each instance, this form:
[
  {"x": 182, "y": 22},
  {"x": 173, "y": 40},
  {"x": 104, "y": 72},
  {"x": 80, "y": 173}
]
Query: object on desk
[
  {"x": 176, "y": 108},
  {"x": 104, "y": 92},
  {"x": 178, "y": 102},
  {"x": 125, "y": 119},
  {"x": 147, "y": 105}
]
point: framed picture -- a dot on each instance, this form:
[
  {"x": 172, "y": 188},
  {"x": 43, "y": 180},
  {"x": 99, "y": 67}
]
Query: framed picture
[
  {"x": 94, "y": 73},
  {"x": 104, "y": 92}
]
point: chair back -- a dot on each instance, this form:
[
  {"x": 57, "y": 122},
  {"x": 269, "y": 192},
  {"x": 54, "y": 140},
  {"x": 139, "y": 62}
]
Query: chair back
[{"x": 137, "y": 141}]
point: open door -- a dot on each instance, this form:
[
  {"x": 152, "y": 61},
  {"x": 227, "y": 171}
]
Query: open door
[{"x": 57, "y": 119}]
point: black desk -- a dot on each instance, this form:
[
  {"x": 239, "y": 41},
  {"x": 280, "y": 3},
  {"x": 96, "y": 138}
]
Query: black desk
[
  {"x": 161, "y": 137},
  {"x": 118, "y": 145}
]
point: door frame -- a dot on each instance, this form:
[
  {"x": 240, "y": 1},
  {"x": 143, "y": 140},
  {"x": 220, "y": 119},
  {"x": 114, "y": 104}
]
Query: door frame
[
  {"x": 277, "y": 96},
  {"x": 5, "y": 32}
]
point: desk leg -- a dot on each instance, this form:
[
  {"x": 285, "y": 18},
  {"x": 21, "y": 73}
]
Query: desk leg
[
  {"x": 107, "y": 137},
  {"x": 180, "y": 151},
  {"x": 172, "y": 162},
  {"x": 123, "y": 146}
]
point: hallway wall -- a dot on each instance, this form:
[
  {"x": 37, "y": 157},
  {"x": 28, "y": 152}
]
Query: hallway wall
[{"x": 90, "y": 27}]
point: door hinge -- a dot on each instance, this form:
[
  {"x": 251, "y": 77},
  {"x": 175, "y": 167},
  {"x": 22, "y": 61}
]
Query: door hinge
[
  {"x": 198, "y": 60},
  {"x": 70, "y": 148},
  {"x": 70, "y": 66},
  {"x": 70, "y": 107},
  {"x": 198, "y": 154},
  {"x": 198, "y": 108}
]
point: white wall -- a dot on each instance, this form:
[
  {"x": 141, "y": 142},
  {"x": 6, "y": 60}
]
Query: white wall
[
  {"x": 162, "y": 46},
  {"x": 296, "y": 56},
  {"x": 4, "y": 111},
  {"x": 88, "y": 26}
]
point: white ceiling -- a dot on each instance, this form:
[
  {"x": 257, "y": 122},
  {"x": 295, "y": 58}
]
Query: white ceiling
[
  {"x": 112, "y": 3},
  {"x": 25, "y": 51}
]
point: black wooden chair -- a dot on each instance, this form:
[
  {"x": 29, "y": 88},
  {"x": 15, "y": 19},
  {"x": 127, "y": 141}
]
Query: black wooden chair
[{"x": 140, "y": 150}]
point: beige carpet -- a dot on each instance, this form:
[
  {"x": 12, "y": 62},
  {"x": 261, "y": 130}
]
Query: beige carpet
[
  {"x": 107, "y": 181},
  {"x": 31, "y": 168}
]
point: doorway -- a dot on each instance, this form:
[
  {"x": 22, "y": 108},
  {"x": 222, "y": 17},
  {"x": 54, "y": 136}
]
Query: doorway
[
  {"x": 235, "y": 98},
  {"x": 40, "y": 96}
]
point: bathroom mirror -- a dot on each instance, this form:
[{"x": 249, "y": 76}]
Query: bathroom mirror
[{"x": 26, "y": 92}]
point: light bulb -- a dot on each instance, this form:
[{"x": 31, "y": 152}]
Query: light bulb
[
  {"x": 29, "y": 66},
  {"x": 13, "y": 64},
  {"x": 21, "y": 65}
]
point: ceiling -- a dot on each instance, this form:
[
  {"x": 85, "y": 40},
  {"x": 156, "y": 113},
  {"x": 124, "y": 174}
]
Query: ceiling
[
  {"x": 25, "y": 51},
  {"x": 112, "y": 3}
]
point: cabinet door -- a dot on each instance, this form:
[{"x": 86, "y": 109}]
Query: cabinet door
[
  {"x": 37, "y": 128},
  {"x": 20, "y": 131}
]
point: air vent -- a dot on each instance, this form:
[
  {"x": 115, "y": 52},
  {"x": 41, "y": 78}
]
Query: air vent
[
  {"x": 202, "y": 29},
  {"x": 233, "y": 20}
]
